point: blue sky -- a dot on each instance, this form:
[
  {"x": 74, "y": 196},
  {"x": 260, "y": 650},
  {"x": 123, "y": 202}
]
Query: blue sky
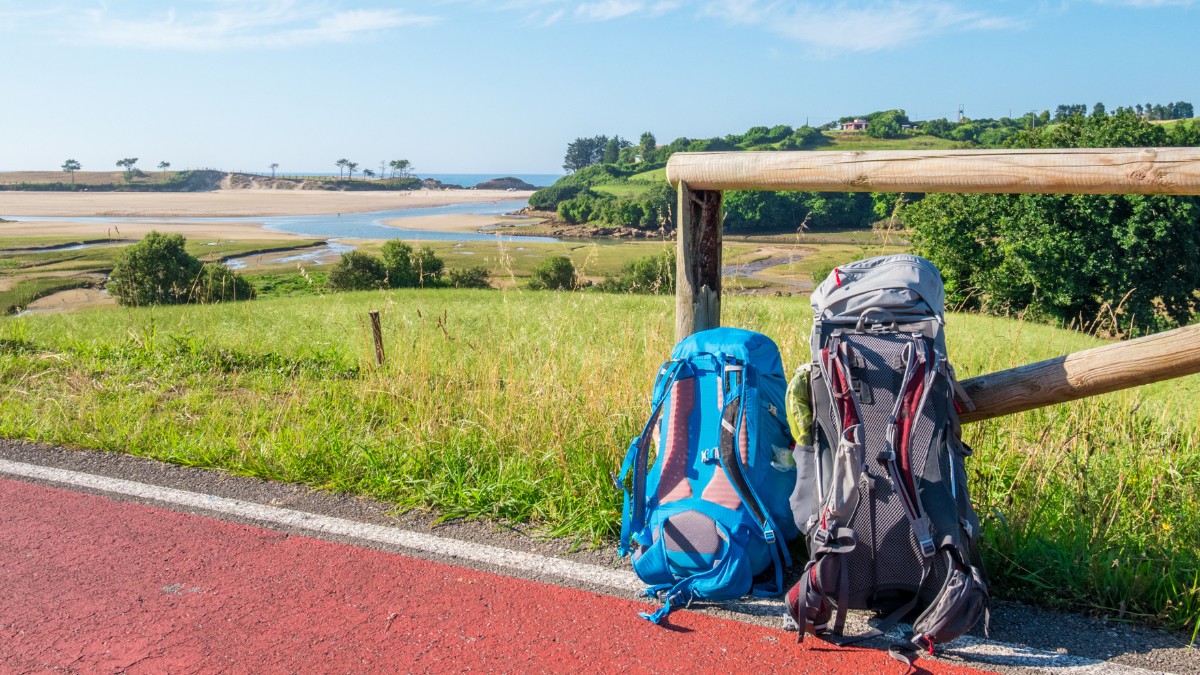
[{"x": 504, "y": 85}]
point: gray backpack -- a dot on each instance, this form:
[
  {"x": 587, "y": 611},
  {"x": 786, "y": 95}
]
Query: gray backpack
[{"x": 881, "y": 491}]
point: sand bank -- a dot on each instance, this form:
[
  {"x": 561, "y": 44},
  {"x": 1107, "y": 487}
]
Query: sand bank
[
  {"x": 455, "y": 222},
  {"x": 234, "y": 203},
  {"x": 90, "y": 231}
]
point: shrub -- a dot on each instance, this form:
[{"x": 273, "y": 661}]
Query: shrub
[
  {"x": 218, "y": 283},
  {"x": 157, "y": 270},
  {"x": 548, "y": 199},
  {"x": 408, "y": 268},
  {"x": 357, "y": 271},
  {"x": 554, "y": 273},
  {"x": 397, "y": 264},
  {"x": 654, "y": 274},
  {"x": 471, "y": 277}
]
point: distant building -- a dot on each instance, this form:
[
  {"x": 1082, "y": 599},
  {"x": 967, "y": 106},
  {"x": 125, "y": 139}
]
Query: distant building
[{"x": 856, "y": 125}]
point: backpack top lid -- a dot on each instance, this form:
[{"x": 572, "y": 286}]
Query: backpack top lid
[
  {"x": 747, "y": 346},
  {"x": 907, "y": 286}
]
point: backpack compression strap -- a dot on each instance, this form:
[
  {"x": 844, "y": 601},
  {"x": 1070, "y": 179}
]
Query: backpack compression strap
[{"x": 733, "y": 419}]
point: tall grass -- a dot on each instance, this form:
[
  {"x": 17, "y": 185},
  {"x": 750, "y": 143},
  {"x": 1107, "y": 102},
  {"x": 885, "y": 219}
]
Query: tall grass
[{"x": 517, "y": 405}]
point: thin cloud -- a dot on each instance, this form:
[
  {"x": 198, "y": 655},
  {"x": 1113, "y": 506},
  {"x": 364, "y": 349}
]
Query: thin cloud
[
  {"x": 855, "y": 27},
  {"x": 245, "y": 25},
  {"x": 1146, "y": 4}
]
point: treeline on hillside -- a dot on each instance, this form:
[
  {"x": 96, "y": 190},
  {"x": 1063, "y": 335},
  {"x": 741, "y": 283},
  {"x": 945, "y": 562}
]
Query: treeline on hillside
[
  {"x": 997, "y": 133},
  {"x": 615, "y": 182},
  {"x": 1121, "y": 264},
  {"x": 636, "y": 198}
]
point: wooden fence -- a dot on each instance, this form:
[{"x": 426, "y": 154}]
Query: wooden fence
[{"x": 701, "y": 178}]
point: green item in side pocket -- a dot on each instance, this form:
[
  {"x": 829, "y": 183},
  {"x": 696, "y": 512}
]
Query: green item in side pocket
[{"x": 799, "y": 406}]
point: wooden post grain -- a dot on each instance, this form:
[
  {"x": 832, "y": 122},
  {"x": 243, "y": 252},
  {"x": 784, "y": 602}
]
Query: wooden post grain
[
  {"x": 698, "y": 261},
  {"x": 1158, "y": 171},
  {"x": 1112, "y": 367},
  {"x": 377, "y": 334}
]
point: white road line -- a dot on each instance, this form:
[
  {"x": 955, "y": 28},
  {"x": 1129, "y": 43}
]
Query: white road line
[
  {"x": 452, "y": 548},
  {"x": 980, "y": 653}
]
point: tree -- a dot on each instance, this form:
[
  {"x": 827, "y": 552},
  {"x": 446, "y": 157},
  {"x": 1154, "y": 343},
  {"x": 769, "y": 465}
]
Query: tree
[
  {"x": 1133, "y": 259},
  {"x": 128, "y": 163},
  {"x": 356, "y": 271},
  {"x": 1098, "y": 110},
  {"x": 71, "y": 166},
  {"x": 341, "y": 165},
  {"x": 163, "y": 166},
  {"x": 157, "y": 270},
  {"x": 887, "y": 124},
  {"x": 274, "y": 165},
  {"x": 400, "y": 166},
  {"x": 940, "y": 127},
  {"x": 646, "y": 146},
  {"x": 612, "y": 150},
  {"x": 351, "y": 166},
  {"x": 554, "y": 273},
  {"x": 368, "y": 173},
  {"x": 584, "y": 152}
]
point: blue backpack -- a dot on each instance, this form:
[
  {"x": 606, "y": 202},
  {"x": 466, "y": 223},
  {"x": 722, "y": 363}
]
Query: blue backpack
[{"x": 712, "y": 513}]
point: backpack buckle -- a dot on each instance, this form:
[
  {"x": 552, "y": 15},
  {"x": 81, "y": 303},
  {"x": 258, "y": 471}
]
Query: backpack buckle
[
  {"x": 927, "y": 548},
  {"x": 710, "y": 456},
  {"x": 769, "y": 535},
  {"x": 616, "y": 481},
  {"x": 821, "y": 537}
]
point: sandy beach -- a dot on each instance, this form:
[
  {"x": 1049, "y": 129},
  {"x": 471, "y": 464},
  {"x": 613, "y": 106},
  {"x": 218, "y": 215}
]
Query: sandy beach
[
  {"x": 455, "y": 223},
  {"x": 229, "y": 204},
  {"x": 129, "y": 231},
  {"x": 234, "y": 203}
]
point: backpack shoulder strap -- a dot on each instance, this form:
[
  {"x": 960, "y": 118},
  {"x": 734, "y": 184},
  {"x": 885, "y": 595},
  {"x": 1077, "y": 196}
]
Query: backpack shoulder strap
[{"x": 634, "y": 512}]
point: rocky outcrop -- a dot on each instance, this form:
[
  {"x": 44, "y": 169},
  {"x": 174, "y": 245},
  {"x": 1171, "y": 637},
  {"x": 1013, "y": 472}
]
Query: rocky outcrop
[{"x": 506, "y": 183}]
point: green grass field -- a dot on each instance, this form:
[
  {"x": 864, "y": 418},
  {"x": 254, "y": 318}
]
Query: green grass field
[{"x": 517, "y": 405}]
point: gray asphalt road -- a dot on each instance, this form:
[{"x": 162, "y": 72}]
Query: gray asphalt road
[{"x": 1030, "y": 640}]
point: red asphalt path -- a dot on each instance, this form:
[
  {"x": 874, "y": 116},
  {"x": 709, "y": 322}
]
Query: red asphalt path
[{"x": 89, "y": 584}]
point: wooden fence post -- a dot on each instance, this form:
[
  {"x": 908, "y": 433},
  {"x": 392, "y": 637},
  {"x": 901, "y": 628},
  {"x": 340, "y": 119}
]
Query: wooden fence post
[
  {"x": 377, "y": 333},
  {"x": 698, "y": 261}
]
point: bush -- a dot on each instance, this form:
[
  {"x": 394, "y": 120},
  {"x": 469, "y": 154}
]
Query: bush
[
  {"x": 357, "y": 271},
  {"x": 554, "y": 273},
  {"x": 471, "y": 277},
  {"x": 548, "y": 199},
  {"x": 218, "y": 283},
  {"x": 397, "y": 264},
  {"x": 654, "y": 274},
  {"x": 157, "y": 270},
  {"x": 406, "y": 268},
  {"x": 427, "y": 266}
]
